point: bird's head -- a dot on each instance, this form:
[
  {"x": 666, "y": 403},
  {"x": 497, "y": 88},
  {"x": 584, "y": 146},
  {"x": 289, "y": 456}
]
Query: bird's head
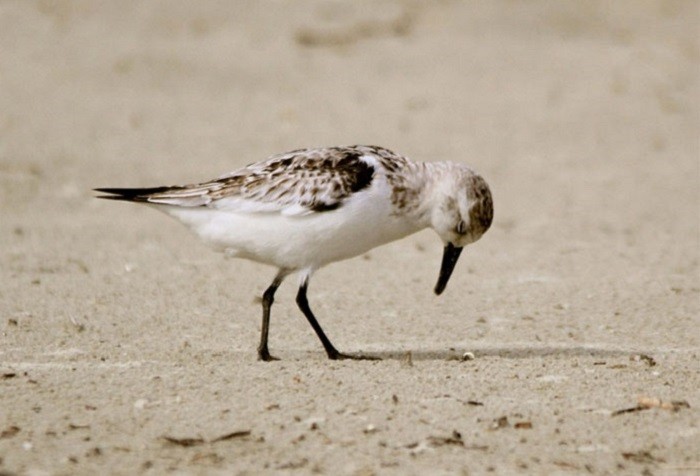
[{"x": 462, "y": 212}]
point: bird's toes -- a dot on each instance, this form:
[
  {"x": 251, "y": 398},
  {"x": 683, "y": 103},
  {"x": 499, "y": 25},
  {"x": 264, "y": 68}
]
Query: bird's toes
[
  {"x": 341, "y": 356},
  {"x": 266, "y": 357}
]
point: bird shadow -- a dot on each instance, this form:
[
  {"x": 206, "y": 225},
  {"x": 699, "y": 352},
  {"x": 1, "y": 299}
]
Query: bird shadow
[{"x": 505, "y": 352}]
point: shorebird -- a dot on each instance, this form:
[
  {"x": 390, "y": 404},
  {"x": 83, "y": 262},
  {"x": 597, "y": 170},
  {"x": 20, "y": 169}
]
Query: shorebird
[{"x": 304, "y": 209}]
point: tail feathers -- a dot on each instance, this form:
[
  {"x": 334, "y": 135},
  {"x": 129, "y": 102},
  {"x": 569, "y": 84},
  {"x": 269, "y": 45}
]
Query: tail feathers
[{"x": 131, "y": 194}]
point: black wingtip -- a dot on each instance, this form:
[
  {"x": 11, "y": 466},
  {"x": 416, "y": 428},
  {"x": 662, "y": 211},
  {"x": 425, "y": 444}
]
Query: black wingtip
[
  {"x": 122, "y": 194},
  {"x": 129, "y": 194}
]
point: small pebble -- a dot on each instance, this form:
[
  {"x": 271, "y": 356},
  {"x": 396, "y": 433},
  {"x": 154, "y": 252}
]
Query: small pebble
[{"x": 140, "y": 404}]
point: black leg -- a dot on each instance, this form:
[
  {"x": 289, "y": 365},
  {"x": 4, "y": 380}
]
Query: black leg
[
  {"x": 332, "y": 352},
  {"x": 267, "y": 300}
]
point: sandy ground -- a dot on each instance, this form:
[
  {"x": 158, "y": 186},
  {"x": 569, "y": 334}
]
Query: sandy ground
[{"x": 121, "y": 330}]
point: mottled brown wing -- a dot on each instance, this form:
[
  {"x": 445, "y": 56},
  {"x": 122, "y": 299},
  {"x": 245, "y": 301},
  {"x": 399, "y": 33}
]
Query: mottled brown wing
[
  {"x": 315, "y": 180},
  {"x": 297, "y": 182}
]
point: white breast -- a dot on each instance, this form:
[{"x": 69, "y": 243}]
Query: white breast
[{"x": 364, "y": 221}]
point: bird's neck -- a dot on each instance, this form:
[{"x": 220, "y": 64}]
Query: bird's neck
[{"x": 419, "y": 191}]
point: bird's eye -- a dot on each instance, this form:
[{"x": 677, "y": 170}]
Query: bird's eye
[{"x": 461, "y": 227}]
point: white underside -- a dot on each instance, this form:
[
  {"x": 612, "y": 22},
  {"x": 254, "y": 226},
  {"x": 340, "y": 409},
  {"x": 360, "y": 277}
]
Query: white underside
[{"x": 305, "y": 242}]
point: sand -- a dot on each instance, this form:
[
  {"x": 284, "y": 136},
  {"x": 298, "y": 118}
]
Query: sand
[{"x": 128, "y": 346}]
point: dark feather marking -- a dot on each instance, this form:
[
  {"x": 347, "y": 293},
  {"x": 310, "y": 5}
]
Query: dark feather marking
[
  {"x": 358, "y": 174},
  {"x": 283, "y": 162},
  {"x": 324, "y": 207}
]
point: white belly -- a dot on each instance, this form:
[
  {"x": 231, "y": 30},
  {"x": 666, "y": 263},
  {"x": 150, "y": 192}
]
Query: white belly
[{"x": 297, "y": 242}]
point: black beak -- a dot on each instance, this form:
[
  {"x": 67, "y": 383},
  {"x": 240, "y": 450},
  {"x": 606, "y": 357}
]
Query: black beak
[{"x": 449, "y": 260}]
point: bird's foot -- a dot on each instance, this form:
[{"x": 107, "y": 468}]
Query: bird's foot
[
  {"x": 335, "y": 355},
  {"x": 264, "y": 355}
]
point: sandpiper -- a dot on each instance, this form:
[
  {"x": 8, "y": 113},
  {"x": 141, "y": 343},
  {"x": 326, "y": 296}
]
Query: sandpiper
[{"x": 301, "y": 210}]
